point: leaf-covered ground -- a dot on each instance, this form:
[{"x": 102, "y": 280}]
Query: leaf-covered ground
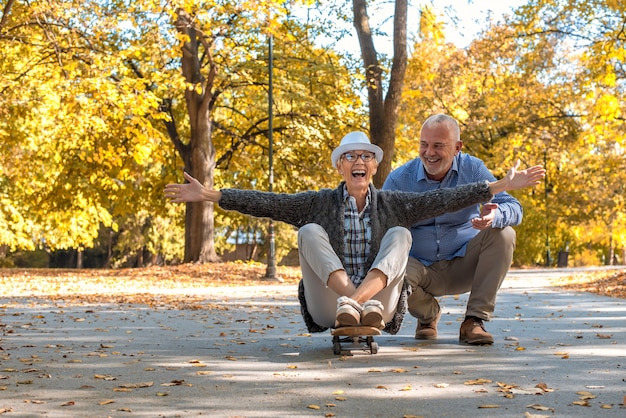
[
  {"x": 606, "y": 283},
  {"x": 180, "y": 286},
  {"x": 189, "y": 283}
]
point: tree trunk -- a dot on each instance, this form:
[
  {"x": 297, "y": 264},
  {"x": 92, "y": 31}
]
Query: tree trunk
[
  {"x": 383, "y": 113},
  {"x": 199, "y": 154}
]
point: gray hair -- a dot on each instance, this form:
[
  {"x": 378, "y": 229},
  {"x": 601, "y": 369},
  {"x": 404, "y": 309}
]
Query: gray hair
[{"x": 449, "y": 121}]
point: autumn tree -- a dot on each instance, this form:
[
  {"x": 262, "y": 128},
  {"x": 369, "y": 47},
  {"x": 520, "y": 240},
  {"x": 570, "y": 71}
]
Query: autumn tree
[
  {"x": 589, "y": 42},
  {"x": 382, "y": 107},
  {"x": 78, "y": 140},
  {"x": 540, "y": 87},
  {"x": 93, "y": 95}
]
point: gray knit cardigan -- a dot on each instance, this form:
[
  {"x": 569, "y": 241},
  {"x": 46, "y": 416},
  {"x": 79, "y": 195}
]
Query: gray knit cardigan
[{"x": 325, "y": 208}]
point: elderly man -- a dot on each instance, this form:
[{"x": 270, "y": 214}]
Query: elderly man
[{"x": 469, "y": 250}]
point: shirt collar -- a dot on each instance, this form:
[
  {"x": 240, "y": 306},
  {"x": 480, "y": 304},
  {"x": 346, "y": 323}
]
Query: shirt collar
[{"x": 347, "y": 196}]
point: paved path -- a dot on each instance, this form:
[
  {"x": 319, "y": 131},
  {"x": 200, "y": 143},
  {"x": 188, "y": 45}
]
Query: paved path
[{"x": 250, "y": 356}]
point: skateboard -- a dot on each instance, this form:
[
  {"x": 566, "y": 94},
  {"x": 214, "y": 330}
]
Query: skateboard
[{"x": 347, "y": 339}]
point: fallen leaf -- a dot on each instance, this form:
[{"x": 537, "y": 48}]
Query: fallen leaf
[
  {"x": 488, "y": 406},
  {"x": 441, "y": 385},
  {"x": 106, "y": 402},
  {"x": 313, "y": 406},
  {"x": 136, "y": 385},
  {"x": 477, "y": 382},
  {"x": 544, "y": 387},
  {"x": 538, "y": 407},
  {"x": 529, "y": 415},
  {"x": 107, "y": 377}
]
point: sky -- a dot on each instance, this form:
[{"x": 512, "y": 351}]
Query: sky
[
  {"x": 464, "y": 18},
  {"x": 472, "y": 16}
]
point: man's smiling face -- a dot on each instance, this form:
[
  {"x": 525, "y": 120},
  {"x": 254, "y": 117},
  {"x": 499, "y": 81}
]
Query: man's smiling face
[{"x": 438, "y": 147}]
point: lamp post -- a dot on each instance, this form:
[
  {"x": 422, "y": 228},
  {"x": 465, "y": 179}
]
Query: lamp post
[
  {"x": 547, "y": 191},
  {"x": 270, "y": 272}
]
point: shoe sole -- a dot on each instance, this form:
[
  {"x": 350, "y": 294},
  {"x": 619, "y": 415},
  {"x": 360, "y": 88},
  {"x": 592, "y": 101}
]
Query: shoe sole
[
  {"x": 346, "y": 319},
  {"x": 478, "y": 341},
  {"x": 372, "y": 319}
]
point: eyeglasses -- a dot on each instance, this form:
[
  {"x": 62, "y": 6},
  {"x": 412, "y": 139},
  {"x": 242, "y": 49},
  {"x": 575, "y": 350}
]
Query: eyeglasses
[{"x": 352, "y": 157}]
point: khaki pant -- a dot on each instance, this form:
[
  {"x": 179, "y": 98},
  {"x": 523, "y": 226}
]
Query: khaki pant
[
  {"x": 318, "y": 260},
  {"x": 481, "y": 271}
]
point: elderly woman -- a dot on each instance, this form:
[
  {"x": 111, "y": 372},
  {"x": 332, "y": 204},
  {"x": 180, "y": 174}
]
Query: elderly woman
[{"x": 353, "y": 240}]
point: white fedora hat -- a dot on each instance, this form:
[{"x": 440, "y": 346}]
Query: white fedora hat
[{"x": 355, "y": 141}]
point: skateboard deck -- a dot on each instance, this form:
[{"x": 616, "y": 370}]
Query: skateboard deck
[{"x": 348, "y": 339}]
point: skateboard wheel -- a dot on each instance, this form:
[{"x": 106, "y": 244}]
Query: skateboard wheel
[
  {"x": 374, "y": 347},
  {"x": 336, "y": 347}
]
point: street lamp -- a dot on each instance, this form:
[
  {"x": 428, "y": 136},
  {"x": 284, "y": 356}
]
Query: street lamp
[
  {"x": 270, "y": 272},
  {"x": 547, "y": 191}
]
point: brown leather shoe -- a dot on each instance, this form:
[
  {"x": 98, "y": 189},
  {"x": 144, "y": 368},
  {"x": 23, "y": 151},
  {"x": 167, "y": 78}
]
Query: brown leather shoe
[
  {"x": 473, "y": 332},
  {"x": 427, "y": 331}
]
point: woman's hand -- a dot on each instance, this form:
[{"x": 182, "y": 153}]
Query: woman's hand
[
  {"x": 518, "y": 179},
  {"x": 193, "y": 191}
]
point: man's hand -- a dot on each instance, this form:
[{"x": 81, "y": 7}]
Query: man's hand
[{"x": 487, "y": 215}]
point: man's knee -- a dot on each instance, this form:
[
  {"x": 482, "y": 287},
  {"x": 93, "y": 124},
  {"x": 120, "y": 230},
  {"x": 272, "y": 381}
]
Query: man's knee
[{"x": 502, "y": 237}]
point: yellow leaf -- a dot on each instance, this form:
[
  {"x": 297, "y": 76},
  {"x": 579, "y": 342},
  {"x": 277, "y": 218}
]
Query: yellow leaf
[
  {"x": 313, "y": 406},
  {"x": 477, "y": 382}
]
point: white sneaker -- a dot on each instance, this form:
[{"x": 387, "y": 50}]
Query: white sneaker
[
  {"x": 348, "y": 313},
  {"x": 372, "y": 314}
]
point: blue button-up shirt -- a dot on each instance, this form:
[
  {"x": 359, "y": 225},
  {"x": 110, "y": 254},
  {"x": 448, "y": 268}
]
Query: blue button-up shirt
[{"x": 446, "y": 236}]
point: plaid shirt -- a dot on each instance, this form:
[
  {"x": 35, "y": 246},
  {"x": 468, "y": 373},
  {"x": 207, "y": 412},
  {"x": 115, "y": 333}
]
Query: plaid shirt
[{"x": 357, "y": 237}]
